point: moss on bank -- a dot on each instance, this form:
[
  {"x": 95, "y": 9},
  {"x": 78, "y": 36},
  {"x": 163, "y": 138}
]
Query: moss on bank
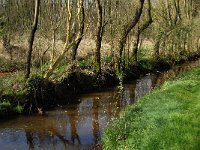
[{"x": 168, "y": 118}]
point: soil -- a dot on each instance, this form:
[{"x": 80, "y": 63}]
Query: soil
[{"x": 5, "y": 74}]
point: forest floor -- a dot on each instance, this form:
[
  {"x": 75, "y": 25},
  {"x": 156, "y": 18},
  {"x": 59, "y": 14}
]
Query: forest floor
[{"x": 167, "y": 118}]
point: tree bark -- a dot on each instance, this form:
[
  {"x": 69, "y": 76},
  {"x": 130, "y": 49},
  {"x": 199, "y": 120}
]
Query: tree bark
[
  {"x": 141, "y": 29},
  {"x": 97, "y": 62},
  {"x": 81, "y": 21},
  {"x": 135, "y": 47},
  {"x": 31, "y": 39},
  {"x": 126, "y": 30},
  {"x": 70, "y": 43}
]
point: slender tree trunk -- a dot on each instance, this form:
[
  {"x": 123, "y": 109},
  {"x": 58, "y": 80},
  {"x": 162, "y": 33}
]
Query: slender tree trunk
[
  {"x": 98, "y": 39},
  {"x": 31, "y": 39},
  {"x": 70, "y": 43},
  {"x": 168, "y": 7},
  {"x": 7, "y": 32},
  {"x": 126, "y": 30},
  {"x": 81, "y": 20},
  {"x": 157, "y": 47},
  {"x": 53, "y": 46},
  {"x": 135, "y": 47},
  {"x": 140, "y": 30},
  {"x": 110, "y": 12}
]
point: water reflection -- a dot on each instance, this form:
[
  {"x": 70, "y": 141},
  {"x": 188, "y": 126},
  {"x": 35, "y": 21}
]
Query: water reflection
[
  {"x": 143, "y": 86},
  {"x": 95, "y": 120},
  {"x": 73, "y": 120},
  {"x": 78, "y": 126}
]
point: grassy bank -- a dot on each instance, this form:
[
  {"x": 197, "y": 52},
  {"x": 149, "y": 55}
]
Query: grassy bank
[{"x": 168, "y": 118}]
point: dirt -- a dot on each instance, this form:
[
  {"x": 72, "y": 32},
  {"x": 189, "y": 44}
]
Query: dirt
[{"x": 5, "y": 74}]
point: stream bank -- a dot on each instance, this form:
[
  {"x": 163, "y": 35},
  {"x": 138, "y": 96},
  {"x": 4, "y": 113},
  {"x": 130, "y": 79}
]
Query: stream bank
[
  {"x": 38, "y": 95},
  {"x": 167, "y": 118},
  {"x": 80, "y": 126}
]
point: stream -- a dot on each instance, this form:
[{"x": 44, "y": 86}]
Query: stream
[{"x": 79, "y": 126}]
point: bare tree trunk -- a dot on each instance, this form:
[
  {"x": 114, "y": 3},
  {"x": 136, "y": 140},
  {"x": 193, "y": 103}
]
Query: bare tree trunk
[
  {"x": 70, "y": 43},
  {"x": 110, "y": 12},
  {"x": 135, "y": 46},
  {"x": 126, "y": 30},
  {"x": 53, "y": 46},
  {"x": 31, "y": 39},
  {"x": 141, "y": 29},
  {"x": 81, "y": 20},
  {"x": 157, "y": 47},
  {"x": 7, "y": 26},
  {"x": 97, "y": 62}
]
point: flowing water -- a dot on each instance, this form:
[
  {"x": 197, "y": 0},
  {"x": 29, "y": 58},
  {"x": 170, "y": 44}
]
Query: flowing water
[{"x": 79, "y": 126}]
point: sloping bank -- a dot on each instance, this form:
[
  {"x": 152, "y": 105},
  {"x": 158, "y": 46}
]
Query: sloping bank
[{"x": 168, "y": 118}]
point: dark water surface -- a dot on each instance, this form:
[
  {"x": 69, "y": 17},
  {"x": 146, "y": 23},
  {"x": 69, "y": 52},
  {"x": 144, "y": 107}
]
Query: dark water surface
[{"x": 79, "y": 126}]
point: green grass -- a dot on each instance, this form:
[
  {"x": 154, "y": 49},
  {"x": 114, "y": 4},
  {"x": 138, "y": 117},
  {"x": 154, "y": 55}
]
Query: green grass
[
  {"x": 168, "y": 118},
  {"x": 145, "y": 52},
  {"x": 85, "y": 63},
  {"x": 12, "y": 93},
  {"x": 7, "y": 108}
]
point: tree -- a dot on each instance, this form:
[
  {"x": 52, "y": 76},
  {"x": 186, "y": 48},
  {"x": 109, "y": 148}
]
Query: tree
[
  {"x": 81, "y": 24},
  {"x": 141, "y": 29},
  {"x": 31, "y": 39},
  {"x": 71, "y": 41},
  {"x": 99, "y": 34},
  {"x": 125, "y": 31}
]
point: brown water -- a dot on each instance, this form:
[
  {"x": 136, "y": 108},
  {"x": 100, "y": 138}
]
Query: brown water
[{"x": 79, "y": 126}]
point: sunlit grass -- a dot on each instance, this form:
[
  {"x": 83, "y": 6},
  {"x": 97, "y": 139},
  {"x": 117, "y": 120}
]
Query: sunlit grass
[{"x": 168, "y": 118}]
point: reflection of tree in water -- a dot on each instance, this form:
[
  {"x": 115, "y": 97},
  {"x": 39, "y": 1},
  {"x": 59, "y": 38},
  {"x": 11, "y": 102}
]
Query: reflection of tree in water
[
  {"x": 109, "y": 107},
  {"x": 114, "y": 103},
  {"x": 29, "y": 138},
  {"x": 73, "y": 119},
  {"x": 128, "y": 94},
  {"x": 143, "y": 87},
  {"x": 45, "y": 137},
  {"x": 95, "y": 120},
  {"x": 119, "y": 97}
]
